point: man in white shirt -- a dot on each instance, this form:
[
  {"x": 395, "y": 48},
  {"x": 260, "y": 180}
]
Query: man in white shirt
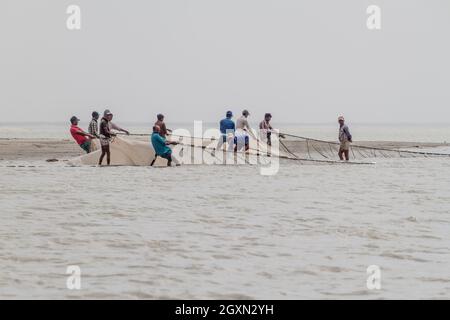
[{"x": 345, "y": 138}]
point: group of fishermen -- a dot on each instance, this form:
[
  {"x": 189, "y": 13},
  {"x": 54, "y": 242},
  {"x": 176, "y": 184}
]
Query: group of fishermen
[
  {"x": 241, "y": 131},
  {"x": 105, "y": 132},
  {"x": 237, "y": 134}
]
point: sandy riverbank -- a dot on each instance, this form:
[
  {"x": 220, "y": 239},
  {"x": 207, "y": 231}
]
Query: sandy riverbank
[{"x": 38, "y": 149}]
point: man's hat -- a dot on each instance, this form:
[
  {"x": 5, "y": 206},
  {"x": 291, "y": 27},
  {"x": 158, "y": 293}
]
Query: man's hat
[
  {"x": 341, "y": 118},
  {"x": 229, "y": 114},
  {"x": 107, "y": 113},
  {"x": 267, "y": 115},
  {"x": 245, "y": 112},
  {"x": 73, "y": 119}
]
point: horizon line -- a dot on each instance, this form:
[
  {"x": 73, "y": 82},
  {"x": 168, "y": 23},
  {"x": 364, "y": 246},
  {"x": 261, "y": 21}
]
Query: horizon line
[{"x": 214, "y": 121}]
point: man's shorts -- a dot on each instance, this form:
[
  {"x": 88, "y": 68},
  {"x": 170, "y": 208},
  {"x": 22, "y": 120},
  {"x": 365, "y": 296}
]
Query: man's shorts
[
  {"x": 345, "y": 146},
  {"x": 86, "y": 146},
  {"x": 240, "y": 139},
  {"x": 104, "y": 141},
  {"x": 93, "y": 146},
  {"x": 228, "y": 138}
]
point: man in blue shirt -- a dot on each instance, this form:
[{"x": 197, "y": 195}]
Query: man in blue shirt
[
  {"x": 161, "y": 146},
  {"x": 227, "y": 126}
]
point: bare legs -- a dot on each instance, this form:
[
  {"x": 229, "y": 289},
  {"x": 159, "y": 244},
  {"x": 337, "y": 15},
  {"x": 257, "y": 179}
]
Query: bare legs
[
  {"x": 107, "y": 152},
  {"x": 168, "y": 157},
  {"x": 343, "y": 153}
]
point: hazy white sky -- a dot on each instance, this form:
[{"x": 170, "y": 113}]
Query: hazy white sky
[{"x": 304, "y": 61}]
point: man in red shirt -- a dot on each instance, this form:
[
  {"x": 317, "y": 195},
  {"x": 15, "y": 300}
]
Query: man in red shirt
[{"x": 80, "y": 136}]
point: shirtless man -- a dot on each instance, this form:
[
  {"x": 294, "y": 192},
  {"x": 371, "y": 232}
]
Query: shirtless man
[
  {"x": 242, "y": 133},
  {"x": 163, "y": 131}
]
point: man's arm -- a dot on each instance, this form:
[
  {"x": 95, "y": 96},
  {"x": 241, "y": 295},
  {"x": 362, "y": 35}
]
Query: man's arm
[
  {"x": 347, "y": 132},
  {"x": 166, "y": 129},
  {"x": 85, "y": 134},
  {"x": 246, "y": 125},
  {"x": 116, "y": 127},
  {"x": 161, "y": 140}
]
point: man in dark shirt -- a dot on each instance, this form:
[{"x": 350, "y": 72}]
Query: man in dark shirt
[
  {"x": 227, "y": 128},
  {"x": 105, "y": 137},
  {"x": 266, "y": 128}
]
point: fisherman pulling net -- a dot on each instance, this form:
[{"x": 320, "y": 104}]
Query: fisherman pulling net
[
  {"x": 136, "y": 150},
  {"x": 319, "y": 149},
  {"x": 233, "y": 144}
]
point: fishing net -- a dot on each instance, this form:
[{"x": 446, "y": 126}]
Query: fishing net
[
  {"x": 304, "y": 147},
  {"x": 306, "y": 150},
  {"x": 136, "y": 150},
  {"x": 260, "y": 152},
  {"x": 125, "y": 151}
]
